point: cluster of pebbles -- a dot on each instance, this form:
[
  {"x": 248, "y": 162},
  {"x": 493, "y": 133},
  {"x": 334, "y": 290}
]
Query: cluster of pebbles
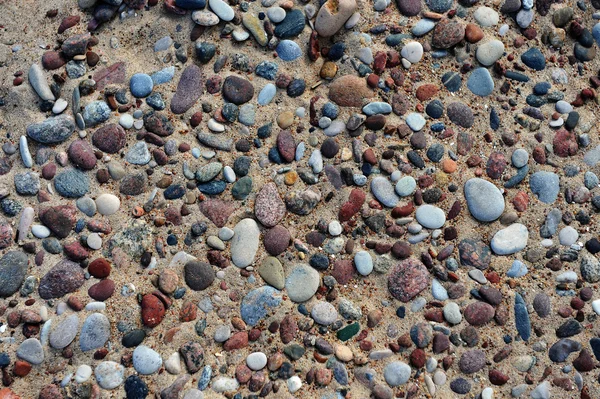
[{"x": 279, "y": 198}]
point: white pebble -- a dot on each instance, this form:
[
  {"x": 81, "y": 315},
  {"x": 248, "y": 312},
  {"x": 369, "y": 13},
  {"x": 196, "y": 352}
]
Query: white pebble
[
  {"x": 294, "y": 384},
  {"x": 83, "y": 373},
  {"x": 94, "y": 241},
  {"x": 126, "y": 120},
  {"x": 108, "y": 204},
  {"x": 335, "y": 228},
  {"x": 59, "y": 106},
  {"x": 215, "y": 126}
]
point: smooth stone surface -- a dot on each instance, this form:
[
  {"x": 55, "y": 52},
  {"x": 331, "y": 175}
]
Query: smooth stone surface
[
  {"x": 302, "y": 283},
  {"x": 510, "y": 240},
  {"x": 244, "y": 243},
  {"x": 146, "y": 361},
  {"x": 430, "y": 217},
  {"x": 484, "y": 200}
]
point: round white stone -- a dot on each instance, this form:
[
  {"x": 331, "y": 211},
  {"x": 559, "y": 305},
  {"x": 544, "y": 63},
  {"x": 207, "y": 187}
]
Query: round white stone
[
  {"x": 108, "y": 204},
  {"x": 126, "y": 121},
  {"x": 294, "y": 384},
  {"x": 83, "y": 373},
  {"x": 256, "y": 361},
  {"x": 146, "y": 360},
  {"x": 40, "y": 231},
  {"x": 94, "y": 241},
  {"x": 335, "y": 228},
  {"x": 59, "y": 106},
  {"x": 413, "y": 52}
]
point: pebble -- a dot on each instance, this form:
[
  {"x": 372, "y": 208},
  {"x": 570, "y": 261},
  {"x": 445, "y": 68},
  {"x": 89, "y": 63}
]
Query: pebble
[
  {"x": 146, "y": 361},
  {"x": 510, "y": 240},
  {"x": 333, "y": 15},
  {"x": 396, "y": 373},
  {"x": 484, "y": 200},
  {"x": 109, "y": 374},
  {"x": 363, "y": 263},
  {"x": 430, "y": 217},
  {"x": 302, "y": 283}
]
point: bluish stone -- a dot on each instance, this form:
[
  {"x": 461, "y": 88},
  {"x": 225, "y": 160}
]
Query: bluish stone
[
  {"x": 535, "y": 101},
  {"x": 545, "y": 185},
  {"x": 75, "y": 69},
  {"x": 596, "y": 33},
  {"x": 439, "y": 6},
  {"x": 72, "y": 183},
  {"x": 212, "y": 187},
  {"x": 541, "y": 88},
  {"x": 396, "y": 39},
  {"x": 292, "y": 25},
  {"x": 174, "y": 191},
  {"x": 257, "y": 303},
  {"x": 163, "y": 44},
  {"x": 288, "y": 50},
  {"x": 155, "y": 101},
  {"x": 340, "y": 373},
  {"x": 518, "y": 269},
  {"x": 484, "y": 200},
  {"x": 296, "y": 88},
  {"x": 274, "y": 156},
  {"x": 378, "y": 107},
  {"x": 179, "y": 292},
  {"x": 135, "y": 388},
  {"x": 422, "y": 27},
  {"x": 518, "y": 177},
  {"x": 435, "y": 109},
  {"x": 191, "y": 4},
  {"x": 452, "y": 81},
  {"x": 141, "y": 85},
  {"x": 519, "y": 77},
  {"x": 480, "y": 82},
  {"x": 267, "y": 70},
  {"x": 494, "y": 119},
  {"x": 247, "y": 114},
  {"x": 522, "y": 321},
  {"x": 267, "y": 94},
  {"x": 204, "y": 379},
  {"x": 11, "y": 207},
  {"x": 415, "y": 121},
  {"x": 435, "y": 152},
  {"x": 95, "y": 113},
  {"x": 330, "y": 110},
  {"x": 534, "y": 59},
  {"x": 336, "y": 52}
]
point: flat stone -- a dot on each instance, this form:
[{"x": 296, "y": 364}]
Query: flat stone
[
  {"x": 302, "y": 283},
  {"x": 63, "y": 278},
  {"x": 13, "y": 269},
  {"x": 189, "y": 90},
  {"x": 244, "y": 243},
  {"x": 484, "y": 200},
  {"x": 510, "y": 240},
  {"x": 94, "y": 332}
]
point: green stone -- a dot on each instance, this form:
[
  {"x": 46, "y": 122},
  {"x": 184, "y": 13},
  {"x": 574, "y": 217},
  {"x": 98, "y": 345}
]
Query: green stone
[
  {"x": 348, "y": 332},
  {"x": 294, "y": 351},
  {"x": 200, "y": 327},
  {"x": 242, "y": 188}
]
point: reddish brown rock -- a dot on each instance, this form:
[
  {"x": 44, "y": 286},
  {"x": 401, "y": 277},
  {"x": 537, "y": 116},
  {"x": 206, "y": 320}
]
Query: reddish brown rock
[
  {"x": 216, "y": 210},
  {"x": 153, "y": 310},
  {"x": 110, "y": 138},
  {"x": 343, "y": 271},
  {"x": 188, "y": 312},
  {"x": 356, "y": 199},
  {"x": 102, "y": 290},
  {"x": 75, "y": 251},
  {"x": 407, "y": 279},
  {"x": 349, "y": 91},
  {"x": 286, "y": 145},
  {"x": 276, "y": 240},
  {"x": 68, "y": 22},
  {"x": 52, "y": 60},
  {"x": 495, "y": 165},
  {"x": 478, "y": 313},
  {"x": 288, "y": 329},
  {"x": 99, "y": 268},
  {"x": 59, "y": 219},
  {"x": 565, "y": 143},
  {"x": 238, "y": 340}
]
